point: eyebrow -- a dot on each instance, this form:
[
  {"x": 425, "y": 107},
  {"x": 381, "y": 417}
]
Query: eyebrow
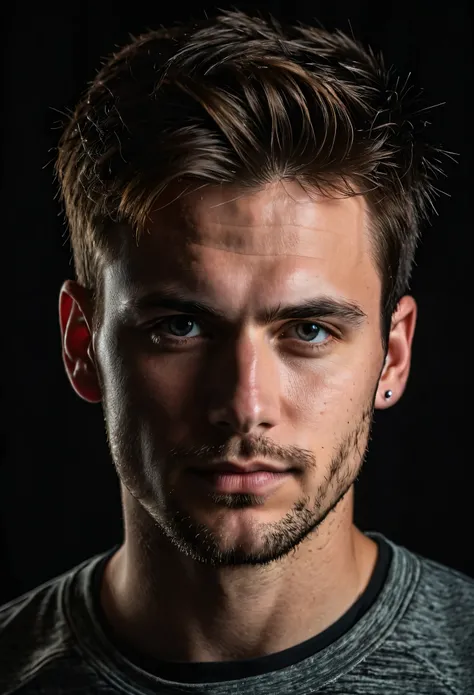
[{"x": 318, "y": 307}]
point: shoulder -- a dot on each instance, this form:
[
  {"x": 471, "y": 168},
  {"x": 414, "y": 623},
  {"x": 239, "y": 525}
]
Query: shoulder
[
  {"x": 445, "y": 598},
  {"x": 32, "y": 634},
  {"x": 437, "y": 628},
  {"x": 38, "y": 648}
]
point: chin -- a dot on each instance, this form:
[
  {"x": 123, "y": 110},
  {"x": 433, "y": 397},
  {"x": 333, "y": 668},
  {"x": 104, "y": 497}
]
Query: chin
[
  {"x": 236, "y": 523},
  {"x": 243, "y": 534}
]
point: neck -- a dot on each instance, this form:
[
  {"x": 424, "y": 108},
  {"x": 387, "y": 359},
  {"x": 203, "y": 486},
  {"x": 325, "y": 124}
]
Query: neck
[{"x": 188, "y": 611}]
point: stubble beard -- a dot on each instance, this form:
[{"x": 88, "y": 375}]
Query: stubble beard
[{"x": 276, "y": 539}]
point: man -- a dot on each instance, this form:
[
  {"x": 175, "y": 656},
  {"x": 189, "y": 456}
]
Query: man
[{"x": 244, "y": 202}]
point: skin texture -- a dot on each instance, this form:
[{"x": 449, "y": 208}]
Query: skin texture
[{"x": 236, "y": 576}]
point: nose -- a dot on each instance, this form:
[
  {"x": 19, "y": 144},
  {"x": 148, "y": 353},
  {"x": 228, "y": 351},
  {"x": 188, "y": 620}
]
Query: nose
[{"x": 245, "y": 388}]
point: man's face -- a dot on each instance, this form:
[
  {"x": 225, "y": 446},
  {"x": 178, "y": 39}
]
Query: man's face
[{"x": 199, "y": 364}]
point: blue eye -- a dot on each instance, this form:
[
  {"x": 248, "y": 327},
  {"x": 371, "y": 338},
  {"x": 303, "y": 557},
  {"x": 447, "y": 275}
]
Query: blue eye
[
  {"x": 180, "y": 326},
  {"x": 311, "y": 332}
]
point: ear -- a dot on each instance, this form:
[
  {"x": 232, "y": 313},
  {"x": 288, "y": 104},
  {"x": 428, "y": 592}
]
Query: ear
[
  {"x": 397, "y": 363},
  {"x": 75, "y": 318}
]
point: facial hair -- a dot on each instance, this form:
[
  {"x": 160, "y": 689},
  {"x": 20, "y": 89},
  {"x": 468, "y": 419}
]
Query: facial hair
[{"x": 277, "y": 539}]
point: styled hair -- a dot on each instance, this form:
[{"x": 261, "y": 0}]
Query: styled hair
[{"x": 244, "y": 100}]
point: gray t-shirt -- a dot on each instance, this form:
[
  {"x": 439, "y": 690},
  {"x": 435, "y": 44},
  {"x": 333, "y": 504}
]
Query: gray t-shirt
[{"x": 416, "y": 637}]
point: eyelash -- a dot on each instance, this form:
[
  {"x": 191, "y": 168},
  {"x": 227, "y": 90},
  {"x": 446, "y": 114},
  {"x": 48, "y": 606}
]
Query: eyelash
[{"x": 185, "y": 341}]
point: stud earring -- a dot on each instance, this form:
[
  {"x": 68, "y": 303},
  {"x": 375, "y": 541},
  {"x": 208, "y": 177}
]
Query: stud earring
[{"x": 388, "y": 394}]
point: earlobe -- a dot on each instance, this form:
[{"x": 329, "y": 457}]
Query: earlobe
[
  {"x": 385, "y": 399},
  {"x": 76, "y": 334},
  {"x": 396, "y": 367}
]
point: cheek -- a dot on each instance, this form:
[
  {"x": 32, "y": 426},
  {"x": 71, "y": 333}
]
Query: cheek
[
  {"x": 149, "y": 392},
  {"x": 332, "y": 392},
  {"x": 169, "y": 383}
]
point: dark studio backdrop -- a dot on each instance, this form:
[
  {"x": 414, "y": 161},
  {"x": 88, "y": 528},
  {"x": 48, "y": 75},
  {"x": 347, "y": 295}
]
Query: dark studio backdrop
[{"x": 59, "y": 494}]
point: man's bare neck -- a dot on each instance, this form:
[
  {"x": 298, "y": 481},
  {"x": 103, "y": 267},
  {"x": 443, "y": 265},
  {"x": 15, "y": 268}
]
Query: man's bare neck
[{"x": 175, "y": 609}]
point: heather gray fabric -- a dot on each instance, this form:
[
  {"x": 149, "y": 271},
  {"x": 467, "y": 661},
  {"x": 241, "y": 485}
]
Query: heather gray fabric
[{"x": 417, "y": 638}]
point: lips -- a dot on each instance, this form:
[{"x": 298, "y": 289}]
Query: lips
[
  {"x": 241, "y": 469},
  {"x": 226, "y": 479}
]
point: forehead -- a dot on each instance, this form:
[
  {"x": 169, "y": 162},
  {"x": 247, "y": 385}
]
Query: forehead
[
  {"x": 279, "y": 220},
  {"x": 277, "y": 239}
]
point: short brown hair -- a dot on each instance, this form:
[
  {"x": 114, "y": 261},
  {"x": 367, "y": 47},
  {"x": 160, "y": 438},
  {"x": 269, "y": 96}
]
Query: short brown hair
[{"x": 241, "y": 99}]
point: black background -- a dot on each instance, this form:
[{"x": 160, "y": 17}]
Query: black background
[{"x": 59, "y": 494}]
